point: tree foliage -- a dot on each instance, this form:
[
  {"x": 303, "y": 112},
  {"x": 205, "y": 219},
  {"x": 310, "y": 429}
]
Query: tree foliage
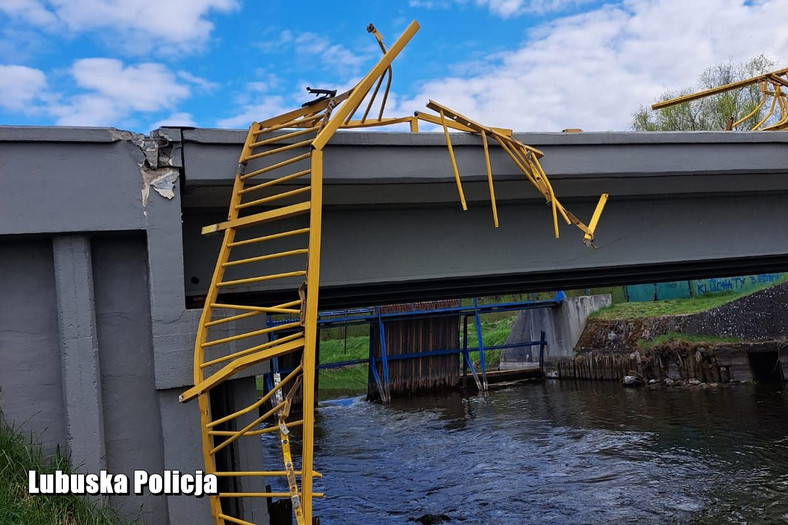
[{"x": 713, "y": 112}]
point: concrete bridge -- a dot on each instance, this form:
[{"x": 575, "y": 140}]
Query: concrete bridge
[{"x": 101, "y": 257}]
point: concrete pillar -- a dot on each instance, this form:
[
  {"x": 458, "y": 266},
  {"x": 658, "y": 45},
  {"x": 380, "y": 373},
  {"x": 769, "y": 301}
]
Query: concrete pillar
[
  {"x": 248, "y": 453},
  {"x": 79, "y": 351},
  {"x": 183, "y": 451}
]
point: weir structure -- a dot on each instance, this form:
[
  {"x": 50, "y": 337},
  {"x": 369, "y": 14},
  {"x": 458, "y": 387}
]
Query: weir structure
[{"x": 260, "y": 219}]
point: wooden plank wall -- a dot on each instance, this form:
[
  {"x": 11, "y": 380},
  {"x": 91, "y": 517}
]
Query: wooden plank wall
[{"x": 415, "y": 376}]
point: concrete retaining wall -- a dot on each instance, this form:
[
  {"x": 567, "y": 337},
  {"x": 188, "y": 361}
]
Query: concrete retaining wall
[{"x": 562, "y": 326}]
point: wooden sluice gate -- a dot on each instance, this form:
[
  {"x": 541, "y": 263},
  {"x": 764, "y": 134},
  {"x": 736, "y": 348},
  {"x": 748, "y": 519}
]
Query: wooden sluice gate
[{"x": 404, "y": 340}]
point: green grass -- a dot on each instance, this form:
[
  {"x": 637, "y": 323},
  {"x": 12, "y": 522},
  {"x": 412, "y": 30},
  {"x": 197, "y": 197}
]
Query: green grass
[
  {"x": 349, "y": 379},
  {"x": 691, "y": 305},
  {"x": 673, "y": 336},
  {"x": 495, "y": 331},
  {"x": 21, "y": 452}
]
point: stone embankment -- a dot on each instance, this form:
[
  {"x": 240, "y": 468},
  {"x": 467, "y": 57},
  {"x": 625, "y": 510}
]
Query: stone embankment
[{"x": 612, "y": 349}]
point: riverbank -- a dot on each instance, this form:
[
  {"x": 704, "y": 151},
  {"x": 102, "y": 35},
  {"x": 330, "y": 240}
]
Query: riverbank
[
  {"x": 20, "y": 453},
  {"x": 740, "y": 337}
]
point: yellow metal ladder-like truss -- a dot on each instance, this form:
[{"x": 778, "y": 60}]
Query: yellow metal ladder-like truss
[{"x": 262, "y": 226}]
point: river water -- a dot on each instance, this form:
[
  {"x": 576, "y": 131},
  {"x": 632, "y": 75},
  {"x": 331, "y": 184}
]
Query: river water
[{"x": 558, "y": 452}]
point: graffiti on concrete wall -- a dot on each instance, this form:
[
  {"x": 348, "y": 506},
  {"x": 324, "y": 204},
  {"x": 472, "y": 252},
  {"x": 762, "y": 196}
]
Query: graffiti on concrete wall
[
  {"x": 684, "y": 289},
  {"x": 733, "y": 284}
]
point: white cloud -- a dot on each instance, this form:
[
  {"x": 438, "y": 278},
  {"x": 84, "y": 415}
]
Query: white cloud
[
  {"x": 332, "y": 55},
  {"x": 136, "y": 25},
  {"x": 20, "y": 87},
  {"x": 510, "y": 8},
  {"x": 593, "y": 70},
  {"x": 200, "y": 82},
  {"x": 315, "y": 46},
  {"x": 174, "y": 120},
  {"x": 270, "y": 106},
  {"x": 115, "y": 91},
  {"x": 504, "y": 8}
]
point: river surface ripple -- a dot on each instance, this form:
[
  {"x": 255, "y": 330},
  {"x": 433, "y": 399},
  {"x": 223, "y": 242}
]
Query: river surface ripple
[{"x": 558, "y": 452}]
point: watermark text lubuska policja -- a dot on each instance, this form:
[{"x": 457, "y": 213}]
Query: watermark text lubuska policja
[{"x": 169, "y": 482}]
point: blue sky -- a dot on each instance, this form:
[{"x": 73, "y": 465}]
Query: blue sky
[{"x": 531, "y": 65}]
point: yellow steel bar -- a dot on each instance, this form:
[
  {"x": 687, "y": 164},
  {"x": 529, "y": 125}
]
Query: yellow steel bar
[
  {"x": 257, "y": 218},
  {"x": 310, "y": 331},
  {"x": 273, "y": 167},
  {"x": 292, "y": 483},
  {"x": 295, "y": 145},
  {"x": 754, "y": 111},
  {"x": 453, "y": 163},
  {"x": 386, "y": 93},
  {"x": 269, "y": 237},
  {"x": 589, "y": 236},
  {"x": 290, "y": 116},
  {"x": 259, "y": 258},
  {"x": 776, "y": 79},
  {"x": 271, "y": 277},
  {"x": 353, "y": 111},
  {"x": 286, "y": 136},
  {"x": 716, "y": 90},
  {"x": 465, "y": 121},
  {"x": 783, "y": 119},
  {"x": 552, "y": 193},
  {"x": 432, "y": 119},
  {"x": 360, "y": 90},
  {"x": 372, "y": 99},
  {"x": 265, "y": 495},
  {"x": 275, "y": 197},
  {"x": 252, "y": 350},
  {"x": 379, "y": 38},
  {"x": 262, "y": 473},
  {"x": 236, "y": 366},
  {"x": 257, "y": 404},
  {"x": 517, "y": 161},
  {"x": 238, "y": 521},
  {"x": 414, "y": 125},
  {"x": 261, "y": 331},
  {"x": 768, "y": 113},
  {"x": 202, "y": 332},
  {"x": 307, "y": 120},
  {"x": 278, "y": 309},
  {"x": 528, "y": 163},
  {"x": 237, "y": 434},
  {"x": 375, "y": 123},
  {"x": 489, "y": 178},
  {"x": 261, "y": 431},
  {"x": 783, "y": 113},
  {"x": 273, "y": 182},
  {"x": 232, "y": 318}
]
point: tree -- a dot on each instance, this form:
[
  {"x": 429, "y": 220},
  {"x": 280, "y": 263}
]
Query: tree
[{"x": 713, "y": 112}]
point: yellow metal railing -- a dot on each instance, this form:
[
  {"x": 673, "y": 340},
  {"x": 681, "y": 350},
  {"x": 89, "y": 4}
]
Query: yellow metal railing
[
  {"x": 284, "y": 254},
  {"x": 772, "y": 85}
]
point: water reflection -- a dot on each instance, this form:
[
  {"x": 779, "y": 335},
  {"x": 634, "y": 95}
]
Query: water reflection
[{"x": 559, "y": 452}]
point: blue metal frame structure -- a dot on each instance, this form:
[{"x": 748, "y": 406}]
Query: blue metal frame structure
[{"x": 375, "y": 314}]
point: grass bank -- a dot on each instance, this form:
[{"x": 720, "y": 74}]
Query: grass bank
[
  {"x": 675, "y": 337},
  {"x": 19, "y": 453}
]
